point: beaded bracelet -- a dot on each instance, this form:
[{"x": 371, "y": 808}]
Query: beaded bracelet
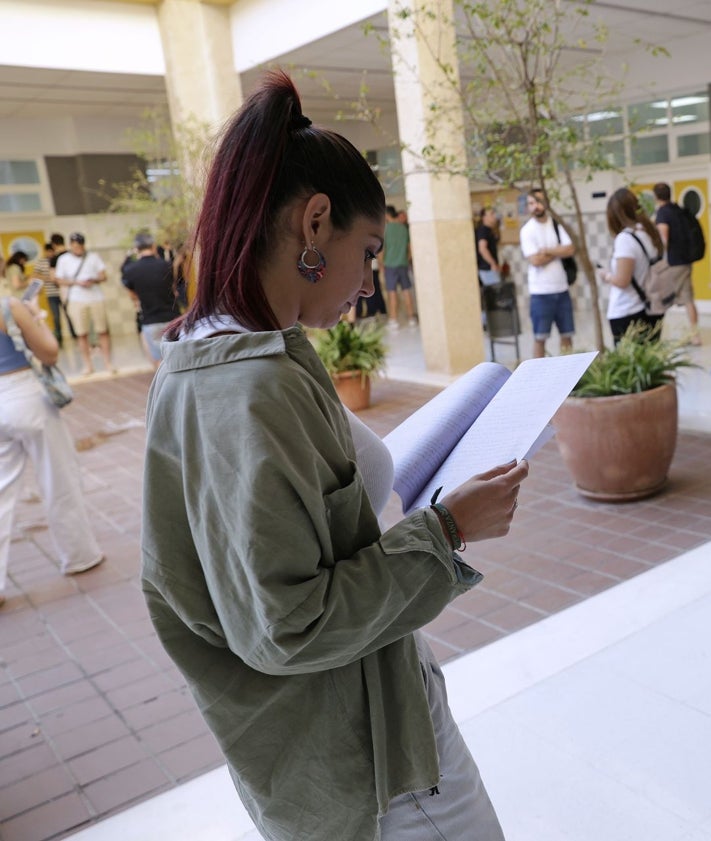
[{"x": 447, "y": 520}]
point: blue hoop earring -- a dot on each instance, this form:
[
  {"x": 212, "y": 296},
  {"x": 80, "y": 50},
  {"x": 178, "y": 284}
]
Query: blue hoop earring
[{"x": 312, "y": 273}]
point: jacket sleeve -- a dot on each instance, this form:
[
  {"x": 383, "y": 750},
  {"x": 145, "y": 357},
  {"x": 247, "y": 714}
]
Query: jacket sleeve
[{"x": 299, "y": 576}]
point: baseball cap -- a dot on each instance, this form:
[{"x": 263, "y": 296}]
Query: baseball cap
[
  {"x": 143, "y": 240},
  {"x": 75, "y": 237}
]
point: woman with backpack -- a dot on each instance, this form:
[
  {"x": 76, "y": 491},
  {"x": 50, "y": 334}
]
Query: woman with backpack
[{"x": 636, "y": 248}]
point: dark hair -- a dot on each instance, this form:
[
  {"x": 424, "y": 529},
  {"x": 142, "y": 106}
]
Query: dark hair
[
  {"x": 538, "y": 195},
  {"x": 57, "y": 239},
  {"x": 625, "y": 211},
  {"x": 390, "y": 210},
  {"x": 661, "y": 191},
  {"x": 16, "y": 257},
  {"x": 269, "y": 155},
  {"x": 483, "y": 212}
]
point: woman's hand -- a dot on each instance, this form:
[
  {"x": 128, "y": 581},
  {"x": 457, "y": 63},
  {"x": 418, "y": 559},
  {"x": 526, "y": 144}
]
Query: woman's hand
[
  {"x": 34, "y": 329},
  {"x": 484, "y": 506}
]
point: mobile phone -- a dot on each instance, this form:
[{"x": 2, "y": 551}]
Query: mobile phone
[
  {"x": 599, "y": 265},
  {"x": 32, "y": 290}
]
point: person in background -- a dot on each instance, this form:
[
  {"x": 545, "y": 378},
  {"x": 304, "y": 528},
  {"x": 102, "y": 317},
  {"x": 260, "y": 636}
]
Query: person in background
[
  {"x": 15, "y": 273},
  {"x": 31, "y": 427},
  {"x": 166, "y": 251},
  {"x": 268, "y": 580},
  {"x": 668, "y": 220},
  {"x": 83, "y": 272},
  {"x": 630, "y": 259},
  {"x": 181, "y": 271},
  {"x": 41, "y": 269},
  {"x": 487, "y": 254},
  {"x": 396, "y": 261},
  {"x": 547, "y": 282},
  {"x": 149, "y": 280},
  {"x": 59, "y": 248}
]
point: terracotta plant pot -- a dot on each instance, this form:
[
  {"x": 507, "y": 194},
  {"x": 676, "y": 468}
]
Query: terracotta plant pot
[
  {"x": 353, "y": 389},
  {"x": 619, "y": 448}
]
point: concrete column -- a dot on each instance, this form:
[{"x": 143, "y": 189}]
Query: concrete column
[
  {"x": 200, "y": 72},
  {"x": 439, "y": 206}
]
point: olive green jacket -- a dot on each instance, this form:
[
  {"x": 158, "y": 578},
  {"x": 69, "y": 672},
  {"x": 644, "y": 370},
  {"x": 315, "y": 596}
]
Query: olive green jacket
[{"x": 271, "y": 587}]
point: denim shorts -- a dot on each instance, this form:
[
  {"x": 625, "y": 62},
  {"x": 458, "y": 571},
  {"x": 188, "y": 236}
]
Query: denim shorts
[
  {"x": 397, "y": 276},
  {"x": 489, "y": 277},
  {"x": 555, "y": 308},
  {"x": 153, "y": 334}
]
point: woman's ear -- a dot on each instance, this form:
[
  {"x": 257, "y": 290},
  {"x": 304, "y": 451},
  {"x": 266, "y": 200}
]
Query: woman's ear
[{"x": 316, "y": 220}]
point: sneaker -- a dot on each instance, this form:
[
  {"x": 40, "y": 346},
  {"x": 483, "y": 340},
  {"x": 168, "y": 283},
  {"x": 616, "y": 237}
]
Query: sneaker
[
  {"x": 393, "y": 325},
  {"x": 73, "y": 569},
  {"x": 412, "y": 322}
]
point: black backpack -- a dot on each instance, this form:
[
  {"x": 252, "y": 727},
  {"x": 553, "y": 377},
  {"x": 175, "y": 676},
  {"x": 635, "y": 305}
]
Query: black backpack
[
  {"x": 569, "y": 265},
  {"x": 695, "y": 244}
]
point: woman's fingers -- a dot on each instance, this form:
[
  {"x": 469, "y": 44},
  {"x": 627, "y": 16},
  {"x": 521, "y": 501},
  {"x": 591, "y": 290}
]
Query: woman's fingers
[{"x": 484, "y": 506}]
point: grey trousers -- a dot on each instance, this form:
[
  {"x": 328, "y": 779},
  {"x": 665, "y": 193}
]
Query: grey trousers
[{"x": 462, "y": 810}]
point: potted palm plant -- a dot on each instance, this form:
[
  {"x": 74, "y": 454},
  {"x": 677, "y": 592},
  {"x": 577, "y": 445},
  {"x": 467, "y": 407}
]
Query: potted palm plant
[
  {"x": 617, "y": 431},
  {"x": 352, "y": 354}
]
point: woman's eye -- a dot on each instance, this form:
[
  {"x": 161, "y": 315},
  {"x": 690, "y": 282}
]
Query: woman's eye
[{"x": 369, "y": 254}]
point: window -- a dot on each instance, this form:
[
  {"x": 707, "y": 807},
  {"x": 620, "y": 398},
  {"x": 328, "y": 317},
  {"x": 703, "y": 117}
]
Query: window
[
  {"x": 690, "y": 109},
  {"x": 693, "y": 144},
  {"x": 614, "y": 151},
  {"x": 605, "y": 123},
  {"x": 648, "y": 115},
  {"x": 19, "y": 172},
  {"x": 652, "y": 149},
  {"x": 19, "y": 187},
  {"x": 19, "y": 202}
]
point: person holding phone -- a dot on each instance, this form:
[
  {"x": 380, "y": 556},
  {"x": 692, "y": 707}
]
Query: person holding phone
[{"x": 31, "y": 427}]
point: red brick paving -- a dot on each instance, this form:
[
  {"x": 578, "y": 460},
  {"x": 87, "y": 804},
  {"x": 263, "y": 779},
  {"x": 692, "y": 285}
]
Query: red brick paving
[{"x": 94, "y": 717}]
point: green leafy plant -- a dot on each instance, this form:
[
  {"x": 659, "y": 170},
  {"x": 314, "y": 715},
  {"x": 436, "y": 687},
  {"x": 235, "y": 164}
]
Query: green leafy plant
[
  {"x": 351, "y": 347},
  {"x": 530, "y": 85},
  {"x": 168, "y": 186},
  {"x": 639, "y": 362}
]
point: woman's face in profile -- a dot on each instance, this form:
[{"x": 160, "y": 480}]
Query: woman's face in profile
[{"x": 348, "y": 275}]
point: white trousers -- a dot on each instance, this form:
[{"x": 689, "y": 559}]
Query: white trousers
[
  {"x": 31, "y": 426},
  {"x": 460, "y": 809}
]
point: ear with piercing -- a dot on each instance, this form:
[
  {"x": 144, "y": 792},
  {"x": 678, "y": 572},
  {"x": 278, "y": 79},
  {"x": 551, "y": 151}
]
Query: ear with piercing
[{"x": 313, "y": 272}]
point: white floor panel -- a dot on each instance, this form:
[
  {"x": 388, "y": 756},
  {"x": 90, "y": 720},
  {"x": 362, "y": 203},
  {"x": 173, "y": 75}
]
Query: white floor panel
[
  {"x": 591, "y": 725},
  {"x": 543, "y": 793}
]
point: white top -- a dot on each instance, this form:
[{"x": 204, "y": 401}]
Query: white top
[
  {"x": 93, "y": 265},
  {"x": 536, "y": 236},
  {"x": 625, "y": 301}
]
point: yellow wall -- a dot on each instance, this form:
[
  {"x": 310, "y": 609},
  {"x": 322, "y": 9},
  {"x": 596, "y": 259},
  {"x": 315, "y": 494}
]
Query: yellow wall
[{"x": 701, "y": 271}]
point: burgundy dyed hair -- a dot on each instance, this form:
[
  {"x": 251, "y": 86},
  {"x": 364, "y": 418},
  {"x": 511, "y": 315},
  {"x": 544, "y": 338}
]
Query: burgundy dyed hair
[{"x": 269, "y": 156}]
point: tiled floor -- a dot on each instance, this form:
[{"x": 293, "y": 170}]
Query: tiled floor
[
  {"x": 93, "y": 717},
  {"x": 594, "y": 723}
]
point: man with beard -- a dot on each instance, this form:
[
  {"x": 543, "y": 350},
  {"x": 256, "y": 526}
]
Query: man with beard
[{"x": 543, "y": 247}]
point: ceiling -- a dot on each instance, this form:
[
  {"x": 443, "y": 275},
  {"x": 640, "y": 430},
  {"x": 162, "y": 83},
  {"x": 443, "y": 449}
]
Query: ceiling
[{"x": 341, "y": 61}]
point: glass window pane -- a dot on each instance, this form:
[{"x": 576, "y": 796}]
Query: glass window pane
[
  {"x": 604, "y": 123},
  {"x": 652, "y": 114},
  {"x": 19, "y": 202},
  {"x": 19, "y": 172},
  {"x": 389, "y": 163},
  {"x": 693, "y": 144},
  {"x": 693, "y": 108},
  {"x": 650, "y": 150},
  {"x": 614, "y": 151}
]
